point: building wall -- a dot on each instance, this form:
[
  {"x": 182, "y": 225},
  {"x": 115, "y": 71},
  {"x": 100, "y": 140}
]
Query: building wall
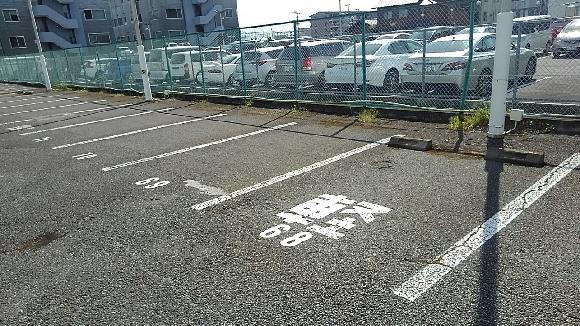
[
  {"x": 413, "y": 16},
  {"x": 21, "y": 28},
  {"x": 328, "y": 24}
]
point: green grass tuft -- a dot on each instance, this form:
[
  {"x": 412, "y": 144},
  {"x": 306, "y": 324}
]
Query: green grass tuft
[
  {"x": 472, "y": 119},
  {"x": 368, "y": 115}
]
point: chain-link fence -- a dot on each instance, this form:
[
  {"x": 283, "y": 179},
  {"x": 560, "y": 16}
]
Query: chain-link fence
[{"x": 436, "y": 55}]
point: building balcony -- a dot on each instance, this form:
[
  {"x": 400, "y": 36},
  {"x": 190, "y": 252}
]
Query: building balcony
[
  {"x": 204, "y": 20},
  {"x": 49, "y": 13},
  {"x": 50, "y": 37}
]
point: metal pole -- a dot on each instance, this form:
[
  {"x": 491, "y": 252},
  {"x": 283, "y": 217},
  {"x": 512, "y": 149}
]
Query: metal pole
[
  {"x": 141, "y": 52},
  {"x": 339, "y": 17},
  {"x": 516, "y": 81},
  {"x": 42, "y": 58},
  {"x": 242, "y": 61},
  {"x": 468, "y": 71},
  {"x": 364, "y": 58},
  {"x": 296, "y": 83},
  {"x": 501, "y": 66}
]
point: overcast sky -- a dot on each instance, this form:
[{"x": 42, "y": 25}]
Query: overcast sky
[{"x": 258, "y": 12}]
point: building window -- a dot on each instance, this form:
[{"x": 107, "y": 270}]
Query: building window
[
  {"x": 99, "y": 38},
  {"x": 175, "y": 33},
  {"x": 158, "y": 34},
  {"x": 173, "y": 13},
  {"x": 17, "y": 42},
  {"x": 229, "y": 13},
  {"x": 10, "y": 15},
  {"x": 95, "y": 14}
]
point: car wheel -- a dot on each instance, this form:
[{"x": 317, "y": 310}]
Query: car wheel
[
  {"x": 100, "y": 77},
  {"x": 528, "y": 46},
  {"x": 392, "y": 83},
  {"x": 484, "y": 83},
  {"x": 556, "y": 55},
  {"x": 269, "y": 80},
  {"x": 548, "y": 47},
  {"x": 321, "y": 81},
  {"x": 230, "y": 81},
  {"x": 530, "y": 69}
]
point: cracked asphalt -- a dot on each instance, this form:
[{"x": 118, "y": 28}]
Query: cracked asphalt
[{"x": 82, "y": 244}]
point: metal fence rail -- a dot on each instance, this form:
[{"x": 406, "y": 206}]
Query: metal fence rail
[{"x": 432, "y": 56}]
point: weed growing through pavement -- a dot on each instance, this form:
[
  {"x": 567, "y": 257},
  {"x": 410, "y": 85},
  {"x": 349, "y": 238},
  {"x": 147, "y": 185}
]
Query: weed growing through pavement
[
  {"x": 472, "y": 119},
  {"x": 296, "y": 109},
  {"x": 248, "y": 102},
  {"x": 368, "y": 115},
  {"x": 61, "y": 87}
]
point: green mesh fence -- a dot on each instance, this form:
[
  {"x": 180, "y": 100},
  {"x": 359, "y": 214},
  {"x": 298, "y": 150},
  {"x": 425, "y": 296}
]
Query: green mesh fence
[{"x": 414, "y": 56}]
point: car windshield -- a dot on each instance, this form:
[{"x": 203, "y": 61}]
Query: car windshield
[
  {"x": 418, "y": 35},
  {"x": 574, "y": 26},
  {"x": 229, "y": 58},
  {"x": 475, "y": 30},
  {"x": 178, "y": 58},
  {"x": 370, "y": 49},
  {"x": 250, "y": 56},
  {"x": 211, "y": 56},
  {"x": 447, "y": 46}
]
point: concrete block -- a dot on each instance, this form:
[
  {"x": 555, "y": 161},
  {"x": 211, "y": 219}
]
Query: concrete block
[
  {"x": 415, "y": 144},
  {"x": 515, "y": 157}
]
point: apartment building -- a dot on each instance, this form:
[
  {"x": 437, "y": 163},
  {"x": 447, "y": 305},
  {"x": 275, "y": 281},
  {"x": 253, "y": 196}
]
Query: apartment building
[{"x": 64, "y": 24}]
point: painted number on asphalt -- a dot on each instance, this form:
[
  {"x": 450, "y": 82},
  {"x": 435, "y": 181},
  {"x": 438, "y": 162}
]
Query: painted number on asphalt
[
  {"x": 86, "y": 156},
  {"x": 152, "y": 183},
  {"x": 304, "y": 215},
  {"x": 38, "y": 140}
]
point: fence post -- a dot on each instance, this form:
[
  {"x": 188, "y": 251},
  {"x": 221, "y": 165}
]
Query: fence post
[
  {"x": 364, "y": 58},
  {"x": 98, "y": 62},
  {"x": 242, "y": 60},
  {"x": 83, "y": 65},
  {"x": 424, "y": 60},
  {"x": 119, "y": 68},
  {"x": 516, "y": 81},
  {"x": 467, "y": 75},
  {"x": 296, "y": 81},
  {"x": 223, "y": 73},
  {"x": 168, "y": 67},
  {"x": 68, "y": 66},
  {"x": 200, "y": 64}
]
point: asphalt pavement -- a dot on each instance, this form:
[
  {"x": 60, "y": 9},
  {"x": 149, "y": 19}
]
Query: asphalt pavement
[{"x": 117, "y": 211}]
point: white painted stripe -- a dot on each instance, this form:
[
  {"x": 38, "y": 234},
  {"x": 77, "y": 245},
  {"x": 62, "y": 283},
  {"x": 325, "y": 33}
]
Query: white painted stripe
[
  {"x": 88, "y": 123},
  {"x": 134, "y": 132},
  {"x": 189, "y": 149},
  {"x": 419, "y": 283},
  {"x": 289, "y": 175},
  {"x": 49, "y": 108},
  {"x": 23, "y": 99},
  {"x": 34, "y": 103},
  {"x": 55, "y": 116}
]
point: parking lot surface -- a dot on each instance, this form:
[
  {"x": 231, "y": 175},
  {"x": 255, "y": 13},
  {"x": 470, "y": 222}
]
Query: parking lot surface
[{"x": 116, "y": 211}]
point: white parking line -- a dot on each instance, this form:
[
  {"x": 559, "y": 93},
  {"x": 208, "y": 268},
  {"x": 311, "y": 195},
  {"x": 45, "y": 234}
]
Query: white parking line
[
  {"x": 55, "y": 116},
  {"x": 90, "y": 122},
  {"x": 419, "y": 283},
  {"x": 289, "y": 175},
  {"x": 134, "y": 132},
  {"x": 35, "y": 103},
  {"x": 23, "y": 99},
  {"x": 49, "y": 108},
  {"x": 189, "y": 149}
]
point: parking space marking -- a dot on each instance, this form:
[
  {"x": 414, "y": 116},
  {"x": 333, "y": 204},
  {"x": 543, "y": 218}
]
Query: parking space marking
[
  {"x": 208, "y": 190},
  {"x": 134, "y": 132},
  {"x": 90, "y": 122},
  {"x": 49, "y": 108},
  {"x": 280, "y": 178},
  {"x": 189, "y": 149},
  {"x": 54, "y": 116},
  {"x": 23, "y": 99},
  {"x": 34, "y": 103},
  {"x": 422, "y": 281}
]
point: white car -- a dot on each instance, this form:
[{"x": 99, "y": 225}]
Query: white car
[
  {"x": 478, "y": 30},
  {"x": 535, "y": 33},
  {"x": 159, "y": 61},
  {"x": 395, "y": 36},
  {"x": 220, "y": 71},
  {"x": 185, "y": 65},
  {"x": 568, "y": 40},
  {"x": 96, "y": 68},
  {"x": 384, "y": 61},
  {"x": 446, "y": 63},
  {"x": 259, "y": 66}
]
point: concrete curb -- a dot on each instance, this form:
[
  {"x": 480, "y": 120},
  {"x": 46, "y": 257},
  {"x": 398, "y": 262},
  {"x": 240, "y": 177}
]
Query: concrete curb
[
  {"x": 415, "y": 144},
  {"x": 515, "y": 157}
]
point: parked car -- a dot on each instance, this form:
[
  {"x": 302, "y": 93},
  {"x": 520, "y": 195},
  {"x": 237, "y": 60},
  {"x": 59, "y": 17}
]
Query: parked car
[
  {"x": 186, "y": 65},
  {"x": 568, "y": 40},
  {"x": 558, "y": 24},
  {"x": 312, "y": 60},
  {"x": 446, "y": 63},
  {"x": 246, "y": 46},
  {"x": 384, "y": 60},
  {"x": 478, "y": 30},
  {"x": 258, "y": 67},
  {"x": 159, "y": 61},
  {"x": 432, "y": 33},
  {"x": 96, "y": 68},
  {"x": 535, "y": 33},
  {"x": 394, "y": 36},
  {"x": 219, "y": 71}
]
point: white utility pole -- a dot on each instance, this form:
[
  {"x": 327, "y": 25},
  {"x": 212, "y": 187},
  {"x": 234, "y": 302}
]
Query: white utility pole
[
  {"x": 501, "y": 66},
  {"x": 141, "y": 52},
  {"x": 43, "y": 66},
  {"x": 340, "y": 17}
]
